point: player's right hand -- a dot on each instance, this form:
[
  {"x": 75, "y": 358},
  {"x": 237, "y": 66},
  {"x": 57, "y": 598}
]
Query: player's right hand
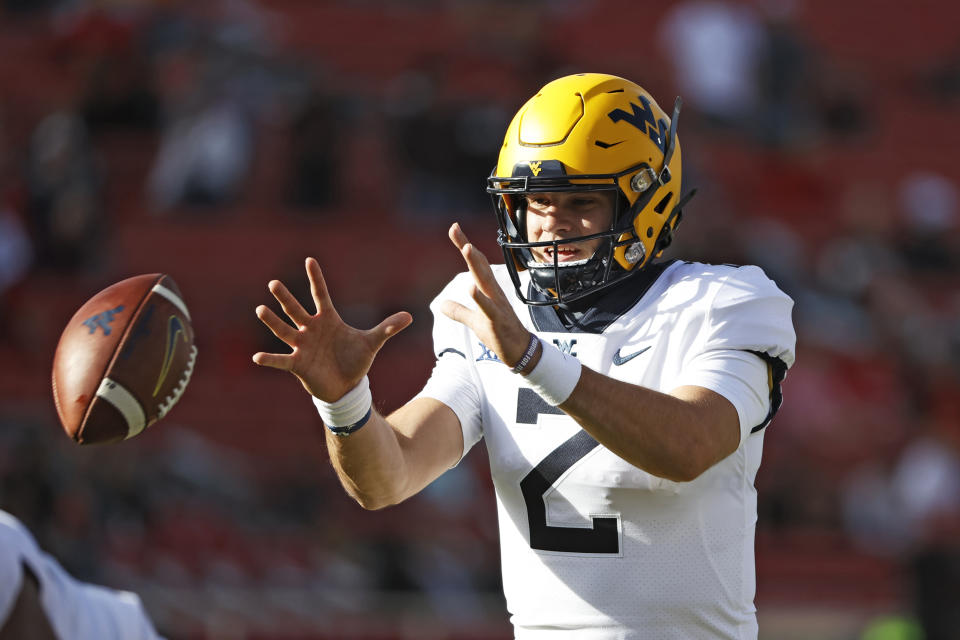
[{"x": 328, "y": 356}]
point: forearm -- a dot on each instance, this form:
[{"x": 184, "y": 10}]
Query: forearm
[
  {"x": 369, "y": 463},
  {"x": 391, "y": 459},
  {"x": 666, "y": 435}
]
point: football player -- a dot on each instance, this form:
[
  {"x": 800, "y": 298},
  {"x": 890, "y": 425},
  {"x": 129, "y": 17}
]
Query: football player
[
  {"x": 41, "y": 601},
  {"x": 622, "y": 398}
]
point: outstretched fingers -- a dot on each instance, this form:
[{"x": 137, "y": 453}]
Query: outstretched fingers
[
  {"x": 489, "y": 307},
  {"x": 389, "y": 327},
  {"x": 273, "y": 360},
  {"x": 284, "y": 332},
  {"x": 318, "y": 286},
  {"x": 291, "y": 306},
  {"x": 477, "y": 263},
  {"x": 457, "y": 236},
  {"x": 277, "y": 326},
  {"x": 457, "y": 312}
]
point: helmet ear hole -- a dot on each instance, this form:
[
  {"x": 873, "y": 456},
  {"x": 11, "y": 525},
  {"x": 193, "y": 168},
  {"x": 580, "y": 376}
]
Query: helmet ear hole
[
  {"x": 665, "y": 238},
  {"x": 662, "y": 205}
]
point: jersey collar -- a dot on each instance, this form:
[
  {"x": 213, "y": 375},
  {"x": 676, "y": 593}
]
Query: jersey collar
[{"x": 602, "y": 312}]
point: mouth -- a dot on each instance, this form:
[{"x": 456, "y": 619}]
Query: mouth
[{"x": 564, "y": 253}]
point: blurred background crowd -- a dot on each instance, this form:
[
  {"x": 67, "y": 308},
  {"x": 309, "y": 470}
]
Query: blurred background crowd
[{"x": 223, "y": 141}]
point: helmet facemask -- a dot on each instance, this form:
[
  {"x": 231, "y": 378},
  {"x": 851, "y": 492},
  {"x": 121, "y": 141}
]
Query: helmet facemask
[{"x": 562, "y": 283}]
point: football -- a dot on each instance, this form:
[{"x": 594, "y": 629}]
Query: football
[{"x": 124, "y": 359}]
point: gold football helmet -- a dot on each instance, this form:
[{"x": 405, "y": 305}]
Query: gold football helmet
[{"x": 589, "y": 132}]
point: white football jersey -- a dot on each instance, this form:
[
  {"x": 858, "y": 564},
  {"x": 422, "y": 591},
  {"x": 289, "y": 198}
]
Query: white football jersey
[
  {"x": 76, "y": 610},
  {"x": 591, "y": 546}
]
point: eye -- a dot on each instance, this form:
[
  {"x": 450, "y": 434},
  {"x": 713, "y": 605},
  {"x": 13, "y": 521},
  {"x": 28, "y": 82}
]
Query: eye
[
  {"x": 540, "y": 202},
  {"x": 585, "y": 201}
]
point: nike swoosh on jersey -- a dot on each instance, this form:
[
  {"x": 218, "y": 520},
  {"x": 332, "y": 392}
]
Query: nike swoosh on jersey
[{"x": 618, "y": 359}]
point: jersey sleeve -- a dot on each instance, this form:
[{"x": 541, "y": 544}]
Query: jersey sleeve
[
  {"x": 11, "y": 568},
  {"x": 74, "y": 609},
  {"x": 454, "y": 381},
  {"x": 746, "y": 345}
]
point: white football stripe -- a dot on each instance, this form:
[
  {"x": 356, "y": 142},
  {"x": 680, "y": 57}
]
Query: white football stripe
[
  {"x": 125, "y": 403},
  {"x": 172, "y": 297}
]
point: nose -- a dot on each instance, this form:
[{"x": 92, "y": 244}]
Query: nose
[{"x": 554, "y": 219}]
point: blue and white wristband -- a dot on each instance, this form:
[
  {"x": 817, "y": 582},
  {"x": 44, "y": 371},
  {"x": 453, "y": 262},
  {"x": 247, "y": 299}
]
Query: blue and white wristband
[
  {"x": 348, "y": 414},
  {"x": 555, "y": 376}
]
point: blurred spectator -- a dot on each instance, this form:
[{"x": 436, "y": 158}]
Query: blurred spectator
[
  {"x": 803, "y": 95},
  {"x": 29, "y": 6},
  {"x": 784, "y": 77},
  {"x": 65, "y": 201},
  {"x": 16, "y": 253},
  {"x": 779, "y": 248},
  {"x": 317, "y": 137},
  {"x": 748, "y": 68},
  {"x": 929, "y": 479},
  {"x": 443, "y": 145},
  {"x": 220, "y": 79},
  {"x": 17, "y": 259},
  {"x": 370, "y": 177},
  {"x": 840, "y": 101},
  {"x": 120, "y": 94},
  {"x": 862, "y": 246},
  {"x": 942, "y": 78},
  {"x": 931, "y": 224},
  {"x": 100, "y": 42},
  {"x": 27, "y": 488},
  {"x": 423, "y": 136},
  {"x": 713, "y": 46},
  {"x": 912, "y": 508},
  {"x": 204, "y": 156}
]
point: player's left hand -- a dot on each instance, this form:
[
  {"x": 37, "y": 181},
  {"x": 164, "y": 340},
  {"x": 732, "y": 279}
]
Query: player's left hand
[{"x": 494, "y": 320}]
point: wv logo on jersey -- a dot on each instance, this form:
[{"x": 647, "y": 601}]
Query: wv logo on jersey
[
  {"x": 642, "y": 118},
  {"x": 566, "y": 346},
  {"x": 175, "y": 329},
  {"x": 102, "y": 320},
  {"x": 487, "y": 354}
]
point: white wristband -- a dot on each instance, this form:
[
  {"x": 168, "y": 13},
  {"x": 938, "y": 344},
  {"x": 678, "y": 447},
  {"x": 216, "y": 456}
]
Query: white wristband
[
  {"x": 350, "y": 412},
  {"x": 555, "y": 375}
]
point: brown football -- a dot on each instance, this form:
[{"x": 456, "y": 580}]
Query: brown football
[{"x": 123, "y": 360}]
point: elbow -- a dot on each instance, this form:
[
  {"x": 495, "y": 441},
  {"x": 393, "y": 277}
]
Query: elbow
[
  {"x": 371, "y": 495},
  {"x": 681, "y": 474},
  {"x": 373, "y": 503},
  {"x": 689, "y": 466},
  {"x": 687, "y": 472},
  {"x": 375, "y": 500},
  {"x": 679, "y": 466},
  {"x": 698, "y": 453}
]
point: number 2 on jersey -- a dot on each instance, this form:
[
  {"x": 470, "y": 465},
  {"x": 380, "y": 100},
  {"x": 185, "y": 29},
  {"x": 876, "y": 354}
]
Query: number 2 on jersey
[{"x": 604, "y": 536}]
